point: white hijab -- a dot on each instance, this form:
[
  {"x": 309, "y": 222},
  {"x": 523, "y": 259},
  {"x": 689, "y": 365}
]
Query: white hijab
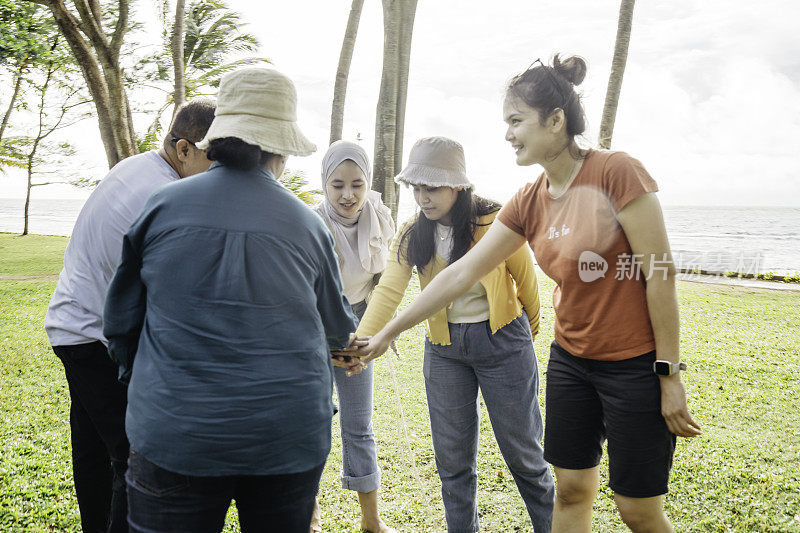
[{"x": 372, "y": 224}]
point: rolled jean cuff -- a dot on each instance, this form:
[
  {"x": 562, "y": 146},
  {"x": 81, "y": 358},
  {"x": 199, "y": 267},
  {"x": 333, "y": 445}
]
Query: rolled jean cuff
[{"x": 366, "y": 483}]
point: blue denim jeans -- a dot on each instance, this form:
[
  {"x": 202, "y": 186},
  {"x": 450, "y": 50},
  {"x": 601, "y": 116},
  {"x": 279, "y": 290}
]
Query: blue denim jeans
[
  {"x": 360, "y": 470},
  {"x": 503, "y": 366},
  {"x": 162, "y": 501}
]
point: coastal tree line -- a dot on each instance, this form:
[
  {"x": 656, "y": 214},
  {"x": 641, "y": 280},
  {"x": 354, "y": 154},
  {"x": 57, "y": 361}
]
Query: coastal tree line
[{"x": 72, "y": 59}]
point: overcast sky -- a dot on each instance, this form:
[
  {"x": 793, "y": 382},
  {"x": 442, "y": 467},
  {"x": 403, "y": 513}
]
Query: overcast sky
[{"x": 710, "y": 100}]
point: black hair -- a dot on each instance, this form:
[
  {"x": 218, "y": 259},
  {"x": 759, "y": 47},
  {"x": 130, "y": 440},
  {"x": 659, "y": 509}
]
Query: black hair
[
  {"x": 548, "y": 88},
  {"x": 464, "y": 216},
  {"x": 192, "y": 120},
  {"x": 235, "y": 153}
]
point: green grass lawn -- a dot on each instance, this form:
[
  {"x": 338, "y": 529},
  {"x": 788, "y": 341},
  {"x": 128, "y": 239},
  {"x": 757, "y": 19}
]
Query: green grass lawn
[
  {"x": 743, "y": 474},
  {"x": 31, "y": 255}
]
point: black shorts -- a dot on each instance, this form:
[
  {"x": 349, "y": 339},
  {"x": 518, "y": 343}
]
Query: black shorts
[{"x": 588, "y": 401}]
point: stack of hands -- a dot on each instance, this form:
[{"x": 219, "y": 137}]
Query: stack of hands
[{"x": 360, "y": 352}]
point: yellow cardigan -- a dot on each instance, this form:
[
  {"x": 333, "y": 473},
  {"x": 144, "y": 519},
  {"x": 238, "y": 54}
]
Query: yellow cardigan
[{"x": 510, "y": 287}]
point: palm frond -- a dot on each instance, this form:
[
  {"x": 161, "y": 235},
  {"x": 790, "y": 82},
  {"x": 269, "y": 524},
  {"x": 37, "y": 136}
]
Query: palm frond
[
  {"x": 213, "y": 75},
  {"x": 297, "y": 182},
  {"x": 213, "y": 34},
  {"x": 213, "y": 31}
]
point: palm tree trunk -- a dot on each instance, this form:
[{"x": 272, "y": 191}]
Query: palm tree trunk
[
  {"x": 406, "y": 31},
  {"x": 386, "y": 113},
  {"x": 617, "y": 71},
  {"x": 178, "y": 30},
  {"x": 343, "y": 70},
  {"x": 398, "y": 25},
  {"x": 17, "y": 84}
]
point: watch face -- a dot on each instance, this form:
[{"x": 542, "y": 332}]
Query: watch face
[{"x": 661, "y": 368}]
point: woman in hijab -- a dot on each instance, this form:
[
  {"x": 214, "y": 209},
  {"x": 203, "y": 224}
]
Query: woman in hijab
[
  {"x": 362, "y": 227},
  {"x": 221, "y": 313}
]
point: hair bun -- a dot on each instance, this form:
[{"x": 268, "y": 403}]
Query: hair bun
[{"x": 573, "y": 68}]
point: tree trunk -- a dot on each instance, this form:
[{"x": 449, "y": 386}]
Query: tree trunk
[
  {"x": 107, "y": 53},
  {"x": 617, "y": 71},
  {"x": 406, "y": 32},
  {"x": 343, "y": 70},
  {"x": 28, "y": 190},
  {"x": 17, "y": 84},
  {"x": 398, "y": 25},
  {"x": 386, "y": 113},
  {"x": 99, "y": 62},
  {"x": 178, "y": 31},
  {"x": 36, "y": 140}
]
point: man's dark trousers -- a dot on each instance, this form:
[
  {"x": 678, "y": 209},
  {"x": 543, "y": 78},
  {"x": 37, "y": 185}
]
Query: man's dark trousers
[{"x": 99, "y": 444}]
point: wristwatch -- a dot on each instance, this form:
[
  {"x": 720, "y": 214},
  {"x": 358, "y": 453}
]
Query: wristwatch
[{"x": 667, "y": 368}]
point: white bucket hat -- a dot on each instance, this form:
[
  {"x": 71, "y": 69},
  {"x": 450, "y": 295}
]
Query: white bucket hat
[
  {"x": 436, "y": 162},
  {"x": 259, "y": 106}
]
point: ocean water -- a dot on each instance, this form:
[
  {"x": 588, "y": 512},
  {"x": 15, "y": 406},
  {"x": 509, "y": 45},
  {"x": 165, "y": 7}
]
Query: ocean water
[
  {"x": 46, "y": 217},
  {"x": 748, "y": 239},
  {"x": 740, "y": 239}
]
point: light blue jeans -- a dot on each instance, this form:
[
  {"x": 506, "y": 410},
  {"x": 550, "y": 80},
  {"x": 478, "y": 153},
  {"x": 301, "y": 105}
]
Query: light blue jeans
[
  {"x": 503, "y": 366},
  {"x": 360, "y": 470}
]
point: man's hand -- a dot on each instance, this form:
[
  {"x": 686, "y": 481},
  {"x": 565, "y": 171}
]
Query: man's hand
[{"x": 674, "y": 407}]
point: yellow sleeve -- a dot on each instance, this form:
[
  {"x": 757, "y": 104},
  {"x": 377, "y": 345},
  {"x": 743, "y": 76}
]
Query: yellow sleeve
[
  {"x": 520, "y": 265},
  {"x": 388, "y": 294}
]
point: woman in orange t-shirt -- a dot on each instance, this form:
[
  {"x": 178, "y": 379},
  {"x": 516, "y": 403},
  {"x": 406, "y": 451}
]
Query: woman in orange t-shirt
[{"x": 595, "y": 226}]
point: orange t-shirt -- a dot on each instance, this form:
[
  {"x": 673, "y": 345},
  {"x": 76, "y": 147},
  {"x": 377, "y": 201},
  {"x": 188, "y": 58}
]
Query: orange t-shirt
[{"x": 599, "y": 300}]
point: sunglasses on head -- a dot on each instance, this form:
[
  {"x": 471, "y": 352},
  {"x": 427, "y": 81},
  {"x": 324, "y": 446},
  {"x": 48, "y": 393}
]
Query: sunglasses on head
[{"x": 174, "y": 138}]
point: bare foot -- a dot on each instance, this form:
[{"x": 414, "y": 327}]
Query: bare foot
[
  {"x": 316, "y": 520},
  {"x": 376, "y": 527}
]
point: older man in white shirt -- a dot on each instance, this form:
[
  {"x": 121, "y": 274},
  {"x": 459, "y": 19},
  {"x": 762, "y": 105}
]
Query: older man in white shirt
[{"x": 74, "y": 322}]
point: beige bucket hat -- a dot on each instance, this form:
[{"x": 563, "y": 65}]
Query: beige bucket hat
[
  {"x": 436, "y": 162},
  {"x": 259, "y": 106}
]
